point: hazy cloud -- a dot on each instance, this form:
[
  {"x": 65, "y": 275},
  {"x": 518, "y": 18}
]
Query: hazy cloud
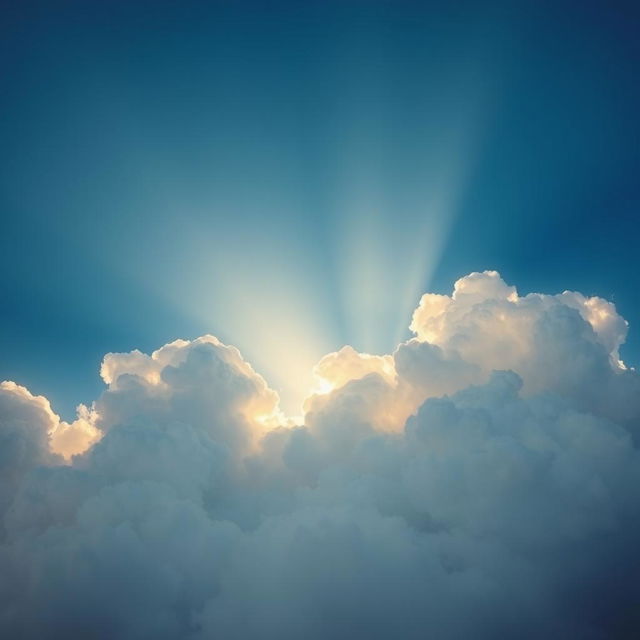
[{"x": 481, "y": 481}]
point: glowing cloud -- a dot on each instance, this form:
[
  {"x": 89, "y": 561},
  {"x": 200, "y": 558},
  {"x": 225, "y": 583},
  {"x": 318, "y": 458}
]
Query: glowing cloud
[{"x": 489, "y": 465}]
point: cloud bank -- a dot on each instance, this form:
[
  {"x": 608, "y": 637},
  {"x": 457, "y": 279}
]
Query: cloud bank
[{"x": 480, "y": 482}]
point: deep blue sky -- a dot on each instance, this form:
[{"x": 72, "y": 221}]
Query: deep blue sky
[{"x": 281, "y": 173}]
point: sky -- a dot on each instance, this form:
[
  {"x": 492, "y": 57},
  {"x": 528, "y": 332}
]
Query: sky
[
  {"x": 261, "y": 170},
  {"x": 319, "y": 319}
]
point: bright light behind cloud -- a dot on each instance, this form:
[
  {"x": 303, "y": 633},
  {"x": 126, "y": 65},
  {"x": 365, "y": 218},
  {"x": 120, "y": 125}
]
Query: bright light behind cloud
[
  {"x": 241, "y": 267},
  {"x": 265, "y": 302}
]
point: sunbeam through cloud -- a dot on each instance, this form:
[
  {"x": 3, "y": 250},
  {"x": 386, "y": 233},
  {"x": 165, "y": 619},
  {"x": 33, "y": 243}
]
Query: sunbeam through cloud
[{"x": 319, "y": 320}]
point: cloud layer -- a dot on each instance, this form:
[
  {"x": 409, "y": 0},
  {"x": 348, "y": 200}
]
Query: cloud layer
[{"x": 481, "y": 481}]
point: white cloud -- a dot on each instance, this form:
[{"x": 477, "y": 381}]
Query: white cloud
[{"x": 481, "y": 481}]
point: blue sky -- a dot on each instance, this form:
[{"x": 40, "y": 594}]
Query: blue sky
[{"x": 291, "y": 176}]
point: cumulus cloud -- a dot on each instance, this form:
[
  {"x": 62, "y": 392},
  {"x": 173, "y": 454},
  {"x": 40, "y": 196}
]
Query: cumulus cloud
[{"x": 481, "y": 481}]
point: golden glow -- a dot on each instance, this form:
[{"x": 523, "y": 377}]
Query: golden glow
[
  {"x": 65, "y": 439},
  {"x": 322, "y": 387},
  {"x": 288, "y": 278},
  {"x": 279, "y": 323}
]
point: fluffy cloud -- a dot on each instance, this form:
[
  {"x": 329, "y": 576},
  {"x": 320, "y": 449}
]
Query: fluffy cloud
[{"x": 481, "y": 481}]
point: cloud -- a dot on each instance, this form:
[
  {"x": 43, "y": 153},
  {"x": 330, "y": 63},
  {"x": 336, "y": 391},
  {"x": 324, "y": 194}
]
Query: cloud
[{"x": 481, "y": 481}]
